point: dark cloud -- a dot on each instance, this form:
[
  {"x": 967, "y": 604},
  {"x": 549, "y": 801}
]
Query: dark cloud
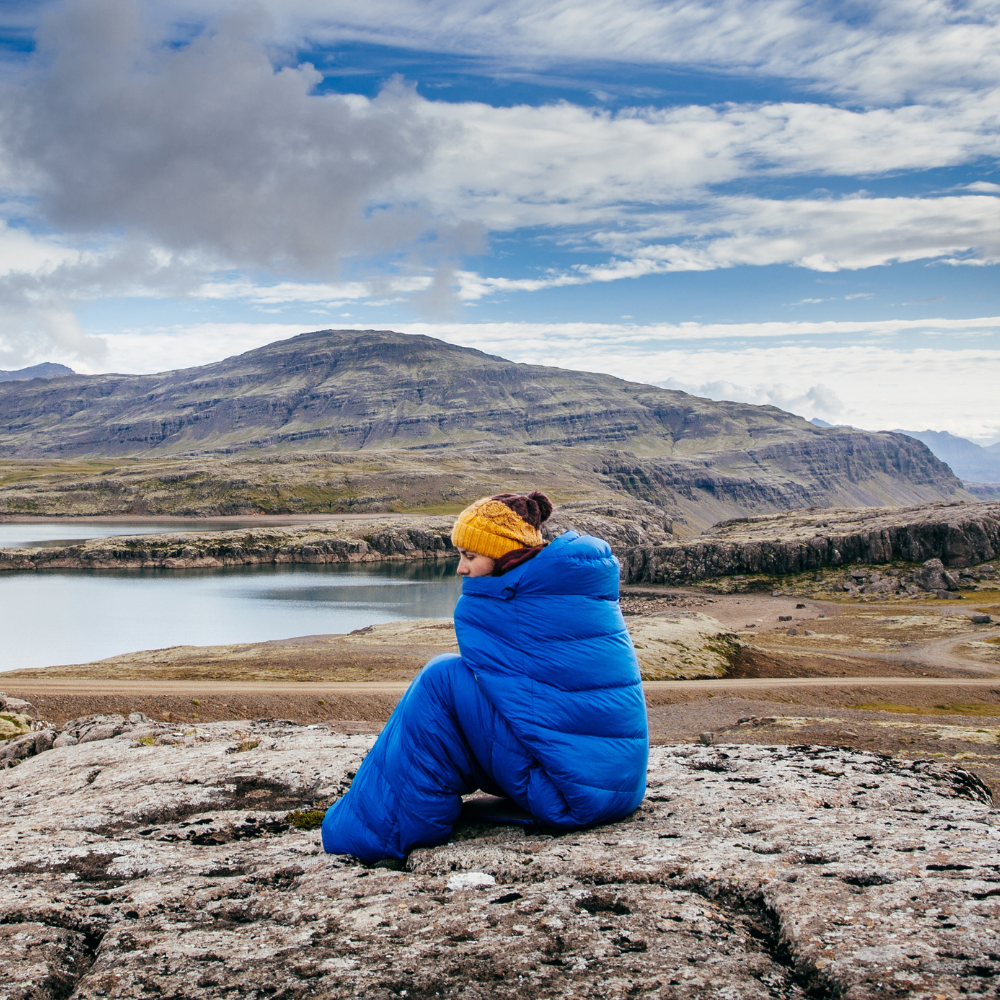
[{"x": 204, "y": 146}]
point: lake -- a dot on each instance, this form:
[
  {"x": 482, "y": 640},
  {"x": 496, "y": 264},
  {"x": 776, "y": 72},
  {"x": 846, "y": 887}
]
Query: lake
[{"x": 55, "y": 617}]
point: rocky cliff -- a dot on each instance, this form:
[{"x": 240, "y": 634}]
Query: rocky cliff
[
  {"x": 387, "y": 395},
  {"x": 140, "y": 861},
  {"x": 958, "y": 534}
]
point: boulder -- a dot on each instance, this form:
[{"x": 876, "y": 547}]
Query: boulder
[
  {"x": 932, "y": 576},
  {"x": 16, "y": 706},
  {"x": 15, "y": 750},
  {"x": 86, "y": 729},
  {"x": 195, "y": 870},
  {"x": 13, "y": 725},
  {"x": 17, "y": 718}
]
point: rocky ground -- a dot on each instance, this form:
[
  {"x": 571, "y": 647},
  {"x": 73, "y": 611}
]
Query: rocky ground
[
  {"x": 404, "y": 538},
  {"x": 160, "y": 862}
]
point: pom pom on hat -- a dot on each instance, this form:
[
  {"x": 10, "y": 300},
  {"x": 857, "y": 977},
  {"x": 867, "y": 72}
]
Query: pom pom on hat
[{"x": 497, "y": 525}]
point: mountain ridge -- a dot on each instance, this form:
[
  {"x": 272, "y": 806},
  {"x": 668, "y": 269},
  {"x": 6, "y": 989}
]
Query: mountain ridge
[
  {"x": 968, "y": 460},
  {"x": 48, "y": 369},
  {"x": 439, "y": 416},
  {"x": 328, "y": 390}
]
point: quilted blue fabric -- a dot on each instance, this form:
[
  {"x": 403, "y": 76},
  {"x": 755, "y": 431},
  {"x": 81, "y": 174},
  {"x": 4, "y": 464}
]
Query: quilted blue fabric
[{"x": 544, "y": 705}]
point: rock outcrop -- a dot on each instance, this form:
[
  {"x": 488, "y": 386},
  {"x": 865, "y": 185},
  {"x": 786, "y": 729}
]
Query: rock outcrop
[
  {"x": 957, "y": 534},
  {"x": 683, "y": 646},
  {"x": 624, "y": 523},
  {"x": 17, "y": 719},
  {"x": 191, "y": 867},
  {"x": 406, "y": 538},
  {"x": 395, "y": 538}
]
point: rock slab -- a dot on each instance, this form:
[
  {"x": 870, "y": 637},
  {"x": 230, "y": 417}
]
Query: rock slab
[{"x": 187, "y": 868}]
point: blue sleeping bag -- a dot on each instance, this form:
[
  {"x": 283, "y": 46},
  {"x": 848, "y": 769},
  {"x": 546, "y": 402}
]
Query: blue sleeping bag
[{"x": 544, "y": 705}]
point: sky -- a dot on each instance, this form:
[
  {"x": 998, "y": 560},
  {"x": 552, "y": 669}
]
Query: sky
[{"x": 773, "y": 201}]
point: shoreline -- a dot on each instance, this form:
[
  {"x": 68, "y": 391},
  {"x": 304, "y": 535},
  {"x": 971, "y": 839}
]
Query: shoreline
[
  {"x": 251, "y": 520},
  {"x": 333, "y": 539}
]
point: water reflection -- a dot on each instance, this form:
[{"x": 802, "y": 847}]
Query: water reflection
[{"x": 74, "y": 617}]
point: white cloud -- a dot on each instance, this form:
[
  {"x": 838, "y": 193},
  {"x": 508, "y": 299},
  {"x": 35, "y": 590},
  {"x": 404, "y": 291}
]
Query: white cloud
[
  {"x": 820, "y": 234},
  {"x": 198, "y": 169},
  {"x": 869, "y": 387},
  {"x": 817, "y": 401},
  {"x": 44, "y": 333},
  {"x": 167, "y": 163},
  {"x": 284, "y": 292},
  {"x": 566, "y": 165},
  {"x": 22, "y": 250},
  {"x": 148, "y": 350},
  {"x": 891, "y": 51},
  {"x": 628, "y": 347}
]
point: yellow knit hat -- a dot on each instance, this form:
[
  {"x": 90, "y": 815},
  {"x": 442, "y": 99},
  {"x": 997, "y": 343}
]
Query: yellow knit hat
[{"x": 497, "y": 525}]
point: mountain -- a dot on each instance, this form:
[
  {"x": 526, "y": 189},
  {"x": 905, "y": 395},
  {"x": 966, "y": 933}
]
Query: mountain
[
  {"x": 969, "y": 461},
  {"x": 46, "y": 370},
  {"x": 434, "y": 414}
]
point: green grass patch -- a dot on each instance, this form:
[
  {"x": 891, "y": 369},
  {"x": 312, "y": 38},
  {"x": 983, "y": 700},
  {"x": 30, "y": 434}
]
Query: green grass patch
[{"x": 301, "y": 820}]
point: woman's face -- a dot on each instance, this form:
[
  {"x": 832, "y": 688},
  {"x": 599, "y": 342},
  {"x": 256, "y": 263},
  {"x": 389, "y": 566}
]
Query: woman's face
[{"x": 473, "y": 564}]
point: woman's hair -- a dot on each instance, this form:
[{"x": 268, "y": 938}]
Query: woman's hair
[{"x": 534, "y": 508}]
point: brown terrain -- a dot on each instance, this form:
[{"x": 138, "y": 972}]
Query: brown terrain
[
  {"x": 912, "y": 678},
  {"x": 817, "y": 618}
]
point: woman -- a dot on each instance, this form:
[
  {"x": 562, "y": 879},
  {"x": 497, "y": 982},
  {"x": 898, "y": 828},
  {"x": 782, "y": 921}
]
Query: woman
[{"x": 544, "y": 704}]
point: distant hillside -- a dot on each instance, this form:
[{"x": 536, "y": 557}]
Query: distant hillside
[
  {"x": 969, "y": 461},
  {"x": 367, "y": 390},
  {"x": 395, "y": 398},
  {"x": 46, "y": 370}
]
